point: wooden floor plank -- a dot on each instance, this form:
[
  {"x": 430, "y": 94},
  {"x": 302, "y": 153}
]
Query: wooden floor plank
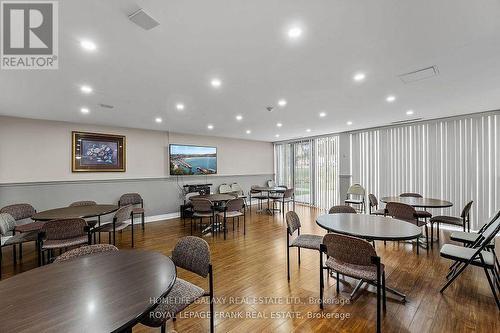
[{"x": 254, "y": 266}]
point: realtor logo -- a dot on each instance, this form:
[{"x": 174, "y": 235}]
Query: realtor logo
[{"x": 29, "y": 35}]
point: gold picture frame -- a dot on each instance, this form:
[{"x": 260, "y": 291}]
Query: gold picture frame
[{"x": 98, "y": 152}]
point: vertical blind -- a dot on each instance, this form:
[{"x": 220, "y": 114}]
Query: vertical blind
[
  {"x": 311, "y": 168},
  {"x": 455, "y": 159}
]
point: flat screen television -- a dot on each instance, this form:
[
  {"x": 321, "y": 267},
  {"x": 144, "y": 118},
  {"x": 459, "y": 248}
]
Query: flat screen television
[{"x": 192, "y": 160}]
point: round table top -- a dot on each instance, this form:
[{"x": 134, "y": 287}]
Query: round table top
[
  {"x": 269, "y": 189},
  {"x": 73, "y": 212},
  {"x": 372, "y": 227},
  {"x": 218, "y": 197},
  {"x": 419, "y": 202},
  {"x": 104, "y": 292}
]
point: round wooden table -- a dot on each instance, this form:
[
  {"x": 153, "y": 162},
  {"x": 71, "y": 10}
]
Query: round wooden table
[
  {"x": 370, "y": 227},
  {"x": 76, "y": 211},
  {"x": 106, "y": 292},
  {"x": 419, "y": 202}
]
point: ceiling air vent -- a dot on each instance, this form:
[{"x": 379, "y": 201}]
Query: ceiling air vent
[
  {"x": 405, "y": 121},
  {"x": 420, "y": 74},
  {"x": 143, "y": 19}
]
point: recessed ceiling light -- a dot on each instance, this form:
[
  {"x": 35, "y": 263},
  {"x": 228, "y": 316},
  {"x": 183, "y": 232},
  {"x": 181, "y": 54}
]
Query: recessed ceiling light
[
  {"x": 282, "y": 102},
  {"x": 277, "y": 135},
  {"x": 179, "y": 106},
  {"x": 322, "y": 114},
  {"x": 390, "y": 98},
  {"x": 158, "y": 120},
  {"x": 294, "y": 32},
  {"x": 239, "y": 117},
  {"x": 409, "y": 112},
  {"x": 216, "y": 83},
  {"x": 210, "y": 126},
  {"x": 308, "y": 130},
  {"x": 88, "y": 45},
  {"x": 279, "y": 124},
  {"x": 86, "y": 89},
  {"x": 84, "y": 110},
  {"x": 358, "y": 77},
  {"x": 248, "y": 131},
  {"x": 349, "y": 123}
]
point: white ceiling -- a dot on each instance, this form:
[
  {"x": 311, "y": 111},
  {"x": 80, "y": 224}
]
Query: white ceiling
[{"x": 244, "y": 43}]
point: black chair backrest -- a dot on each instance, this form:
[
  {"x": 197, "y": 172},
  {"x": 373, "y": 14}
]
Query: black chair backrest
[{"x": 466, "y": 210}]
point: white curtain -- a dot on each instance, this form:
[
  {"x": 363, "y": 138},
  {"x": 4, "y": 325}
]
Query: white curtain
[
  {"x": 311, "y": 167},
  {"x": 455, "y": 159}
]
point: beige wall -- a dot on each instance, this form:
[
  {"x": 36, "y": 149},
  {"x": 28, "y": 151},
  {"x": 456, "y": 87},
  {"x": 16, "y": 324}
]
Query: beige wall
[{"x": 39, "y": 150}]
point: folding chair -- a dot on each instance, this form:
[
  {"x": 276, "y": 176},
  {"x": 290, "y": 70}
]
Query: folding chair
[{"x": 476, "y": 255}]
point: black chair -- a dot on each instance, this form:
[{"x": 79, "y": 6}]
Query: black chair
[
  {"x": 233, "y": 209},
  {"x": 463, "y": 220},
  {"x": 202, "y": 208},
  {"x": 193, "y": 254}
]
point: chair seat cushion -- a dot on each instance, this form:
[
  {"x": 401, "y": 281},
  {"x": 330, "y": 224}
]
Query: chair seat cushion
[
  {"x": 422, "y": 214},
  {"x": 355, "y": 271},
  {"x": 138, "y": 210},
  {"x": 108, "y": 227},
  {"x": 202, "y": 214},
  {"x": 307, "y": 241},
  {"x": 461, "y": 253},
  {"x": 462, "y": 236},
  {"x": 60, "y": 243},
  {"x": 379, "y": 212},
  {"x": 180, "y": 297},
  {"x": 447, "y": 219},
  {"x": 354, "y": 201},
  {"x": 230, "y": 214}
]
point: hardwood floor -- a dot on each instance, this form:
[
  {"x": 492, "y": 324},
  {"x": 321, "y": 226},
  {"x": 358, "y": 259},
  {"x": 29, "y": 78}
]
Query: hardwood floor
[{"x": 253, "y": 295}]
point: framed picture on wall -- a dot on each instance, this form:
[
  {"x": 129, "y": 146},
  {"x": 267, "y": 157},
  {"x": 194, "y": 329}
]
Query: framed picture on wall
[{"x": 96, "y": 152}]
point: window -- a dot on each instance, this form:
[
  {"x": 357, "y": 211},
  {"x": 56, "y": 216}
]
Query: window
[
  {"x": 311, "y": 168},
  {"x": 455, "y": 159}
]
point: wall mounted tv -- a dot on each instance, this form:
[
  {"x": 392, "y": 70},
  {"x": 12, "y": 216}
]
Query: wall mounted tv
[{"x": 192, "y": 160}]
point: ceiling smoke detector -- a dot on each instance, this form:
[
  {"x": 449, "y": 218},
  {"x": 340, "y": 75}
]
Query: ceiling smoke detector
[
  {"x": 143, "y": 19},
  {"x": 270, "y": 108}
]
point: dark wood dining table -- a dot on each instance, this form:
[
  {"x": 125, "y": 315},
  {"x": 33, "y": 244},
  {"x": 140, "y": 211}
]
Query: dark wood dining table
[
  {"x": 217, "y": 197},
  {"x": 106, "y": 292},
  {"x": 370, "y": 228}
]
